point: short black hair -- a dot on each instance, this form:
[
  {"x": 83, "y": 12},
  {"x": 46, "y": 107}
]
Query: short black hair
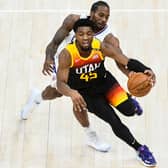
[
  {"x": 84, "y": 22},
  {"x": 95, "y": 5}
]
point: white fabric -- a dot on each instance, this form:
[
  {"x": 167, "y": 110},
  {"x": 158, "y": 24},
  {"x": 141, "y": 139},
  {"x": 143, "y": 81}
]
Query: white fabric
[{"x": 100, "y": 35}]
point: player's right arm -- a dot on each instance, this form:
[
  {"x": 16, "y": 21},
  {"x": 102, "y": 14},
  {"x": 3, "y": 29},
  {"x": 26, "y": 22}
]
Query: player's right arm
[
  {"x": 131, "y": 64},
  {"x": 79, "y": 103},
  {"x": 59, "y": 36}
]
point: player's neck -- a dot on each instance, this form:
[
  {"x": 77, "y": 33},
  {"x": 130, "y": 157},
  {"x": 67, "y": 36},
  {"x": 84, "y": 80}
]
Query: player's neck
[{"x": 83, "y": 52}]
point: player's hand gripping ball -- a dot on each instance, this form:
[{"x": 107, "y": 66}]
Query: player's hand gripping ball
[{"x": 138, "y": 84}]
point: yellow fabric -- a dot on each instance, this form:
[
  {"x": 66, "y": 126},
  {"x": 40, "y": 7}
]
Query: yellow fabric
[{"x": 72, "y": 49}]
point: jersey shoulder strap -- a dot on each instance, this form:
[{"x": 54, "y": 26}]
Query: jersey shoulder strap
[{"x": 96, "y": 44}]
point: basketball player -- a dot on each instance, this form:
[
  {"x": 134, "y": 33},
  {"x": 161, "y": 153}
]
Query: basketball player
[
  {"x": 99, "y": 14},
  {"x": 82, "y": 76}
]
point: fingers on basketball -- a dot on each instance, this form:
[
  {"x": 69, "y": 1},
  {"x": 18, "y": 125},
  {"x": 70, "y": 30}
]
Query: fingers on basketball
[{"x": 139, "y": 84}]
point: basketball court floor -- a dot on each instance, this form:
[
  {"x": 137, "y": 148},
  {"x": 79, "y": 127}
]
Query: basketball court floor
[{"x": 51, "y": 137}]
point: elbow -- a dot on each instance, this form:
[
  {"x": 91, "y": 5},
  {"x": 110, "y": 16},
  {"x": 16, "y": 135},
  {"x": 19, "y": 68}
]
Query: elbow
[{"x": 52, "y": 47}]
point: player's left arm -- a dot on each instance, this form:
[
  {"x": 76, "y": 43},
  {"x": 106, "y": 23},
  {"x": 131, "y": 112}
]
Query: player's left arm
[{"x": 109, "y": 50}]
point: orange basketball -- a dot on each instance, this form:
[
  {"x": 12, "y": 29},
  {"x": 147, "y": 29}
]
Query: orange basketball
[{"x": 138, "y": 85}]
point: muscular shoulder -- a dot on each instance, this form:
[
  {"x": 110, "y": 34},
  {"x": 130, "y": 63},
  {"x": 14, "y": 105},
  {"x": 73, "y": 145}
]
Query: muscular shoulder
[
  {"x": 106, "y": 41},
  {"x": 107, "y": 45},
  {"x": 108, "y": 38},
  {"x": 111, "y": 39},
  {"x": 64, "y": 58},
  {"x": 69, "y": 21}
]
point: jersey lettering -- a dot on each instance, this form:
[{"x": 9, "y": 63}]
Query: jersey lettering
[
  {"x": 89, "y": 76},
  {"x": 87, "y": 68}
]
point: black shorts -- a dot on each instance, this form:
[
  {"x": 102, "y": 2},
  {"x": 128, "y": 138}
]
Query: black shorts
[{"x": 109, "y": 88}]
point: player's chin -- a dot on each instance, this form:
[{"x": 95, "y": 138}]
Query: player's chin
[{"x": 101, "y": 26}]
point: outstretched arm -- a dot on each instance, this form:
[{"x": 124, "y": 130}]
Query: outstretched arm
[
  {"x": 131, "y": 64},
  {"x": 79, "y": 103},
  {"x": 59, "y": 36},
  {"x": 113, "y": 52},
  {"x": 123, "y": 69},
  {"x": 115, "y": 42}
]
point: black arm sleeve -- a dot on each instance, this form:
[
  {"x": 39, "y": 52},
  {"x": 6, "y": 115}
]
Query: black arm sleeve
[{"x": 136, "y": 66}]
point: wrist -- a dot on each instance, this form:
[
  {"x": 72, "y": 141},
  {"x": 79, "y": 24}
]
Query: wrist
[
  {"x": 72, "y": 92},
  {"x": 136, "y": 66},
  {"x": 49, "y": 57}
]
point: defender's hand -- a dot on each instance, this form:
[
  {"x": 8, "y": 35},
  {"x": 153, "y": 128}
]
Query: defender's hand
[
  {"x": 150, "y": 73},
  {"x": 152, "y": 76},
  {"x": 131, "y": 73},
  {"x": 48, "y": 66}
]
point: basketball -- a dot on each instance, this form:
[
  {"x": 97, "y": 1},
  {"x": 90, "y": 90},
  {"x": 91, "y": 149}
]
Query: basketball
[{"x": 138, "y": 84}]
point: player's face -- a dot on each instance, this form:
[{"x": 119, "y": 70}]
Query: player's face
[
  {"x": 84, "y": 37},
  {"x": 100, "y": 17}
]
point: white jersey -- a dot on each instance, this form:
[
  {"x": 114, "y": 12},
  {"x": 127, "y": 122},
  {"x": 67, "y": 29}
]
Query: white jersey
[{"x": 103, "y": 33}]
